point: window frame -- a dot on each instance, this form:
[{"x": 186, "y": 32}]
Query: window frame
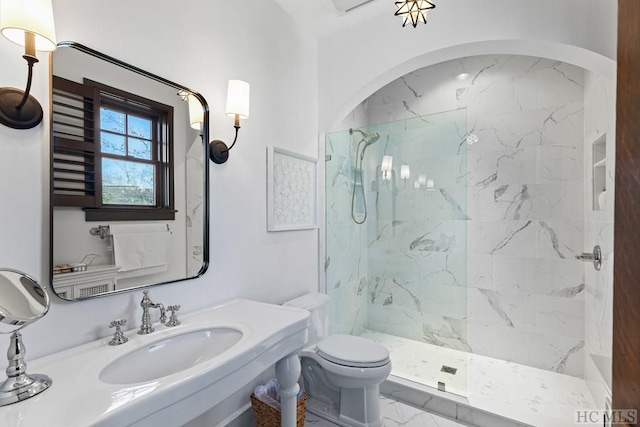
[{"x": 162, "y": 157}]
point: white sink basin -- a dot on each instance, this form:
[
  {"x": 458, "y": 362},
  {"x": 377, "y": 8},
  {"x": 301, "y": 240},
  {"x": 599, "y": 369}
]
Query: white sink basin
[
  {"x": 170, "y": 355},
  {"x": 168, "y": 377}
]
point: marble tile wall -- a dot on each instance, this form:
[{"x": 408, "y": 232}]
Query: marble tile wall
[
  {"x": 485, "y": 260},
  {"x": 346, "y": 260},
  {"x": 599, "y": 102}
]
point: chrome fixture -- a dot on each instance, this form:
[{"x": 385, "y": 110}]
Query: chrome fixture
[
  {"x": 28, "y": 23},
  {"x": 23, "y": 302},
  {"x": 118, "y": 336},
  {"x": 173, "y": 320},
  {"x": 368, "y": 139},
  {"x": 595, "y": 257},
  {"x": 103, "y": 231},
  {"x": 146, "y": 304},
  {"x": 413, "y": 11}
]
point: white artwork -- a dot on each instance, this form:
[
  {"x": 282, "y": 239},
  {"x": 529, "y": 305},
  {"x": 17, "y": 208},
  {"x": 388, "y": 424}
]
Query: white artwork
[{"x": 292, "y": 191}]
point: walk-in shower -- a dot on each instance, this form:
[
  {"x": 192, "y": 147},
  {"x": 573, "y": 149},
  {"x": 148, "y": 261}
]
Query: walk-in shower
[{"x": 453, "y": 240}]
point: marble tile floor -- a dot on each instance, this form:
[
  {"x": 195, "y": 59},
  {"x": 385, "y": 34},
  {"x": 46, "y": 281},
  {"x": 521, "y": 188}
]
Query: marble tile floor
[
  {"x": 394, "y": 414},
  {"x": 521, "y": 393}
]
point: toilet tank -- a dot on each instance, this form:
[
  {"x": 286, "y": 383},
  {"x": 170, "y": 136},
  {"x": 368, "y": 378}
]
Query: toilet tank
[{"x": 318, "y": 306}]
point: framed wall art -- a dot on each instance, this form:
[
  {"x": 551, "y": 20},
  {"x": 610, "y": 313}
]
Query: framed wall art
[{"x": 292, "y": 190}]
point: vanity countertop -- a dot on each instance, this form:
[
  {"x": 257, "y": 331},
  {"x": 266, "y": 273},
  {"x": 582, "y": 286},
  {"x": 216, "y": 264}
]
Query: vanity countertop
[{"x": 78, "y": 397}]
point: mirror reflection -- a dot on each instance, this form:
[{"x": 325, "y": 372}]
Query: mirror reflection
[
  {"x": 22, "y": 300},
  {"x": 129, "y": 176}
]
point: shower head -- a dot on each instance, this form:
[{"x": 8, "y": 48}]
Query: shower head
[
  {"x": 368, "y": 138},
  {"x": 371, "y": 138}
]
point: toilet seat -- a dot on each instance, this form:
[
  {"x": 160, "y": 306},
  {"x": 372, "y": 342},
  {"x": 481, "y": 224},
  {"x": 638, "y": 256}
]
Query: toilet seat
[{"x": 353, "y": 351}]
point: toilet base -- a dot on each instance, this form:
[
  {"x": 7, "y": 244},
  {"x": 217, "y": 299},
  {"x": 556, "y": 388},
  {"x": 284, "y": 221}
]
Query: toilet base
[
  {"x": 343, "y": 395},
  {"x": 360, "y": 407},
  {"x": 331, "y": 414}
]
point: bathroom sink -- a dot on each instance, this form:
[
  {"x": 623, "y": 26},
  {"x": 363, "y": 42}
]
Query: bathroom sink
[
  {"x": 168, "y": 377},
  {"x": 170, "y": 355}
]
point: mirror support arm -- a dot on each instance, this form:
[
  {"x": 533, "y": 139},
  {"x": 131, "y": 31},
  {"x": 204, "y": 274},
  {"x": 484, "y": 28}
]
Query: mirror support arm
[{"x": 19, "y": 386}]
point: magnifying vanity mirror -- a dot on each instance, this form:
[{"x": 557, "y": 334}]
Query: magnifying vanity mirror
[
  {"x": 22, "y": 302},
  {"x": 129, "y": 176}
]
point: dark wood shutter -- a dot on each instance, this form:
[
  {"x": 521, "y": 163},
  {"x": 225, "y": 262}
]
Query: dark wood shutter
[{"x": 75, "y": 155}]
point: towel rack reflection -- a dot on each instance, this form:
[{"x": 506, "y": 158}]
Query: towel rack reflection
[{"x": 103, "y": 231}]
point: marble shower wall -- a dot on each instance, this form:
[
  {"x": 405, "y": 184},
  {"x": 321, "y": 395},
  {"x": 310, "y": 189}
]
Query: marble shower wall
[
  {"x": 484, "y": 261},
  {"x": 418, "y": 230},
  {"x": 346, "y": 260},
  {"x": 600, "y": 109}
]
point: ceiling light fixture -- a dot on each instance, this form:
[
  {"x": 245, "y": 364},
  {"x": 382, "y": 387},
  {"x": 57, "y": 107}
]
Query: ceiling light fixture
[{"x": 413, "y": 11}]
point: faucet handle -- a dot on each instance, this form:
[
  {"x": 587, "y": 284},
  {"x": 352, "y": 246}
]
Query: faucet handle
[
  {"x": 118, "y": 336},
  {"x": 173, "y": 320}
]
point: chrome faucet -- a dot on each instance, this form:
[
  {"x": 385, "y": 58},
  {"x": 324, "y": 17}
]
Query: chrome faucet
[{"x": 146, "y": 303}]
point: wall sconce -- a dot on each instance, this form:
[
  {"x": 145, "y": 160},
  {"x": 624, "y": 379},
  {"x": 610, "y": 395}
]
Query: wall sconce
[
  {"x": 196, "y": 113},
  {"x": 422, "y": 181},
  {"x": 405, "y": 172},
  {"x": 387, "y": 167},
  {"x": 237, "y": 107},
  {"x": 28, "y": 23}
]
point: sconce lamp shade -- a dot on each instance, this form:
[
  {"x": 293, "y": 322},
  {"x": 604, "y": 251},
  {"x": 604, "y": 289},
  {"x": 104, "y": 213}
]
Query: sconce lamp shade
[
  {"x": 196, "y": 113},
  {"x": 387, "y": 163},
  {"x": 18, "y": 17},
  {"x": 237, "y": 107},
  {"x": 405, "y": 172},
  {"x": 386, "y": 167},
  {"x": 238, "y": 99},
  {"x": 28, "y": 23}
]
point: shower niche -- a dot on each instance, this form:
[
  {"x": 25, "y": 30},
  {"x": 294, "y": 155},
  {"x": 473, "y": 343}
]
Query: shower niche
[{"x": 600, "y": 174}]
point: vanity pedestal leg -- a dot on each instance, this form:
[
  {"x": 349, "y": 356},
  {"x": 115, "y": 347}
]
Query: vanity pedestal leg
[{"x": 287, "y": 372}]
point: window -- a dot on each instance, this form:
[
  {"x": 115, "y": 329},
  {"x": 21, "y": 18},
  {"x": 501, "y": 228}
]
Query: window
[{"x": 112, "y": 153}]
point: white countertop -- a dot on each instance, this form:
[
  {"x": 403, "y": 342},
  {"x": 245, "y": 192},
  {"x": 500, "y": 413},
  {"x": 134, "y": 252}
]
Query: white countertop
[{"x": 78, "y": 397}]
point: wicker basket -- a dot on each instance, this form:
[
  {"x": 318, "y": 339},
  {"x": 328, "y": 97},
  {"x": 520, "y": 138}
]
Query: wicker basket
[{"x": 268, "y": 416}]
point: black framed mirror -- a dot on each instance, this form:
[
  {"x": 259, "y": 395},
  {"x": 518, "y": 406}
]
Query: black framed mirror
[{"x": 129, "y": 176}]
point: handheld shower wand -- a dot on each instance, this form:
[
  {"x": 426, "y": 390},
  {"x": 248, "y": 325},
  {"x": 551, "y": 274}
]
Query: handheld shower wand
[{"x": 367, "y": 139}]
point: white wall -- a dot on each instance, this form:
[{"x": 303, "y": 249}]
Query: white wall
[
  {"x": 200, "y": 44},
  {"x": 358, "y": 61}
]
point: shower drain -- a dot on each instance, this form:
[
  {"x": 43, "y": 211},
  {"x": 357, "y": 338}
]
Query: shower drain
[{"x": 448, "y": 370}]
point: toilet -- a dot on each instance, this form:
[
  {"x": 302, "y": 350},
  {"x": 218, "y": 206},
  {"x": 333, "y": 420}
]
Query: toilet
[{"x": 341, "y": 373}]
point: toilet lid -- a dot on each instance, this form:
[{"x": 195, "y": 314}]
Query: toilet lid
[{"x": 349, "y": 350}]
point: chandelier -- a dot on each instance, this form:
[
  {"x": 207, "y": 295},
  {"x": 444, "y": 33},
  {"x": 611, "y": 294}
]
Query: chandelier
[{"x": 413, "y": 11}]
